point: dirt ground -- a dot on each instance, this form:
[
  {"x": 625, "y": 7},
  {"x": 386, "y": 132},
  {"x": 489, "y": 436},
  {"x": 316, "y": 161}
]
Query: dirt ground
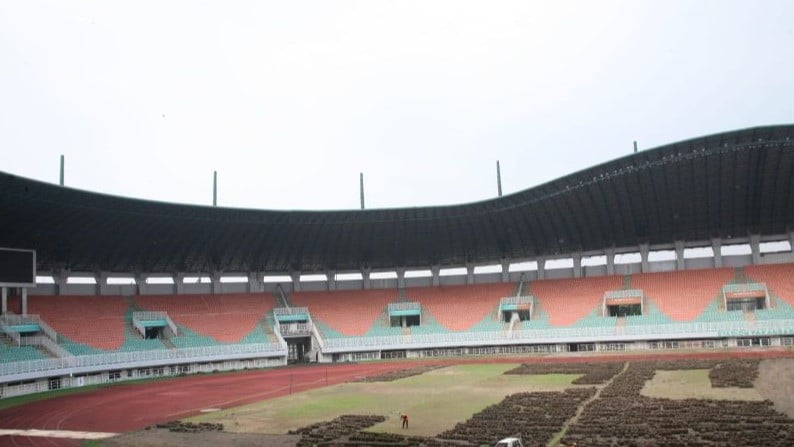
[
  {"x": 164, "y": 438},
  {"x": 776, "y": 382}
]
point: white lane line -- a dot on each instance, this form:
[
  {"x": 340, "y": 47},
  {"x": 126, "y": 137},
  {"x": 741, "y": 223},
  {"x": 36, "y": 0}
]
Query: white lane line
[{"x": 67, "y": 434}]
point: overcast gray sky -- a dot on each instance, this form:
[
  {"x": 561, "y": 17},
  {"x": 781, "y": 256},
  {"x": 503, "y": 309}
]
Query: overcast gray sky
[{"x": 290, "y": 100}]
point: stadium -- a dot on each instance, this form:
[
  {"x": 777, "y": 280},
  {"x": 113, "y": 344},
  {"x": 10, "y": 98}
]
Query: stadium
[{"x": 677, "y": 258}]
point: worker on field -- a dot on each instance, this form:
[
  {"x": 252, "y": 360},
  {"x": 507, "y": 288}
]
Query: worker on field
[{"x": 404, "y": 418}]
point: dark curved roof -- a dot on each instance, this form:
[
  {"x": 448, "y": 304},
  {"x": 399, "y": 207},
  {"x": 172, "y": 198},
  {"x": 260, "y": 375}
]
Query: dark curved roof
[{"x": 727, "y": 185}]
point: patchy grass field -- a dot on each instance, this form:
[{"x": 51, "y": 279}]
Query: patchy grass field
[
  {"x": 693, "y": 384},
  {"x": 435, "y": 401}
]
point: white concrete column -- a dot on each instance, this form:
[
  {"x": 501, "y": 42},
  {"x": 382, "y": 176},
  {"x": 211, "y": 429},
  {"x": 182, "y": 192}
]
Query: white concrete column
[
  {"x": 645, "y": 265},
  {"x": 680, "y": 264},
  {"x": 255, "y": 284},
  {"x": 469, "y": 273},
  {"x": 140, "y": 283},
  {"x": 5, "y": 300},
  {"x": 179, "y": 283},
  {"x": 24, "y": 301},
  {"x": 331, "y": 278},
  {"x": 60, "y": 278},
  {"x": 791, "y": 243},
  {"x": 610, "y": 255},
  {"x": 296, "y": 281},
  {"x": 215, "y": 282},
  {"x": 365, "y": 281},
  {"x": 755, "y": 248},
  {"x": 541, "y": 267},
  {"x": 577, "y": 265},
  {"x": 100, "y": 288},
  {"x": 400, "y": 278},
  {"x": 716, "y": 247},
  {"x": 435, "y": 274},
  {"x": 505, "y": 271}
]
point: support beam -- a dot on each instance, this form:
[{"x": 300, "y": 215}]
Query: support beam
[
  {"x": 60, "y": 278},
  {"x": 361, "y": 187},
  {"x": 505, "y": 271},
  {"x": 716, "y": 247},
  {"x": 214, "y": 188},
  {"x": 680, "y": 264},
  {"x": 296, "y": 281},
  {"x": 365, "y": 279},
  {"x": 541, "y": 267},
  {"x": 255, "y": 284},
  {"x": 5, "y": 300},
  {"x": 24, "y": 301},
  {"x": 100, "y": 288},
  {"x": 577, "y": 265},
  {"x": 435, "y": 273},
  {"x": 610, "y": 255},
  {"x": 331, "y": 280},
  {"x": 645, "y": 265},
  {"x": 62, "y": 170},
  {"x": 400, "y": 278},
  {"x": 179, "y": 283},
  {"x": 469, "y": 273},
  {"x": 755, "y": 248},
  {"x": 140, "y": 283},
  {"x": 215, "y": 283}
]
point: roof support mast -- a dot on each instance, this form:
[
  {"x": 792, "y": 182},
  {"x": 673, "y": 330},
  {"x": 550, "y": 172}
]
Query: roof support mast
[
  {"x": 361, "y": 187},
  {"x": 214, "y": 188},
  {"x": 498, "y": 179},
  {"x": 62, "y": 163}
]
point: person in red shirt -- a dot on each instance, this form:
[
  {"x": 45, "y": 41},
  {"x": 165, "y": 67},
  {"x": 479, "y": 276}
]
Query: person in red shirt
[{"x": 404, "y": 418}]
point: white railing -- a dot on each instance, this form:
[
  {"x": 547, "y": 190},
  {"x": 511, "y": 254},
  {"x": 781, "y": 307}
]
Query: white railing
[
  {"x": 47, "y": 343},
  {"x": 295, "y": 328},
  {"x": 100, "y": 362},
  {"x": 10, "y": 333},
  {"x": 403, "y": 306},
  {"x": 516, "y": 300},
  {"x": 139, "y": 317},
  {"x": 744, "y": 288},
  {"x": 14, "y": 320},
  {"x": 623, "y": 294},
  {"x": 713, "y": 329},
  {"x": 288, "y": 311}
]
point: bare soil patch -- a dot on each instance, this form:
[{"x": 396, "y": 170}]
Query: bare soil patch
[
  {"x": 775, "y": 382},
  {"x": 160, "y": 437}
]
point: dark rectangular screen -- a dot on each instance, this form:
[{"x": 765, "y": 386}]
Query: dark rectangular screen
[{"x": 17, "y": 267}]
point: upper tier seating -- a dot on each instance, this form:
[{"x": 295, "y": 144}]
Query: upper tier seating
[
  {"x": 567, "y": 300},
  {"x": 225, "y": 318},
  {"x": 461, "y": 308},
  {"x": 95, "y": 321},
  {"x": 351, "y": 313},
  {"x": 779, "y": 279},
  {"x": 683, "y": 295}
]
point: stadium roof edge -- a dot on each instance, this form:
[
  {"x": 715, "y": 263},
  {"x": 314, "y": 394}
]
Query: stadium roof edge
[{"x": 722, "y": 185}]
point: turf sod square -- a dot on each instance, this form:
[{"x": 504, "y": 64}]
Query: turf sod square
[{"x": 435, "y": 401}]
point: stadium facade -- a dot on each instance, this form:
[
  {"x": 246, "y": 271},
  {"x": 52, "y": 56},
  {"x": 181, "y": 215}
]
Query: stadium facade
[{"x": 726, "y": 195}]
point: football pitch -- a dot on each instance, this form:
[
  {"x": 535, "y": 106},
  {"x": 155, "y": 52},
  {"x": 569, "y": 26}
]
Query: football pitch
[{"x": 434, "y": 401}]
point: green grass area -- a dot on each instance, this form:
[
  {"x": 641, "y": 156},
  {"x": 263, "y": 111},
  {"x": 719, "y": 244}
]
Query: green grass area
[{"x": 435, "y": 401}]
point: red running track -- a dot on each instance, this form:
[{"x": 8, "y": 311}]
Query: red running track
[{"x": 123, "y": 408}]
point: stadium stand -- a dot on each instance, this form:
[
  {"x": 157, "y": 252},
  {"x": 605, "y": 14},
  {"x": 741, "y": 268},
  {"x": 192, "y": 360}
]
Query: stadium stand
[
  {"x": 211, "y": 319},
  {"x": 463, "y": 308},
  {"x": 778, "y": 279},
  {"x": 566, "y": 301},
  {"x": 349, "y": 313},
  {"x": 86, "y": 323},
  {"x": 683, "y": 295}
]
